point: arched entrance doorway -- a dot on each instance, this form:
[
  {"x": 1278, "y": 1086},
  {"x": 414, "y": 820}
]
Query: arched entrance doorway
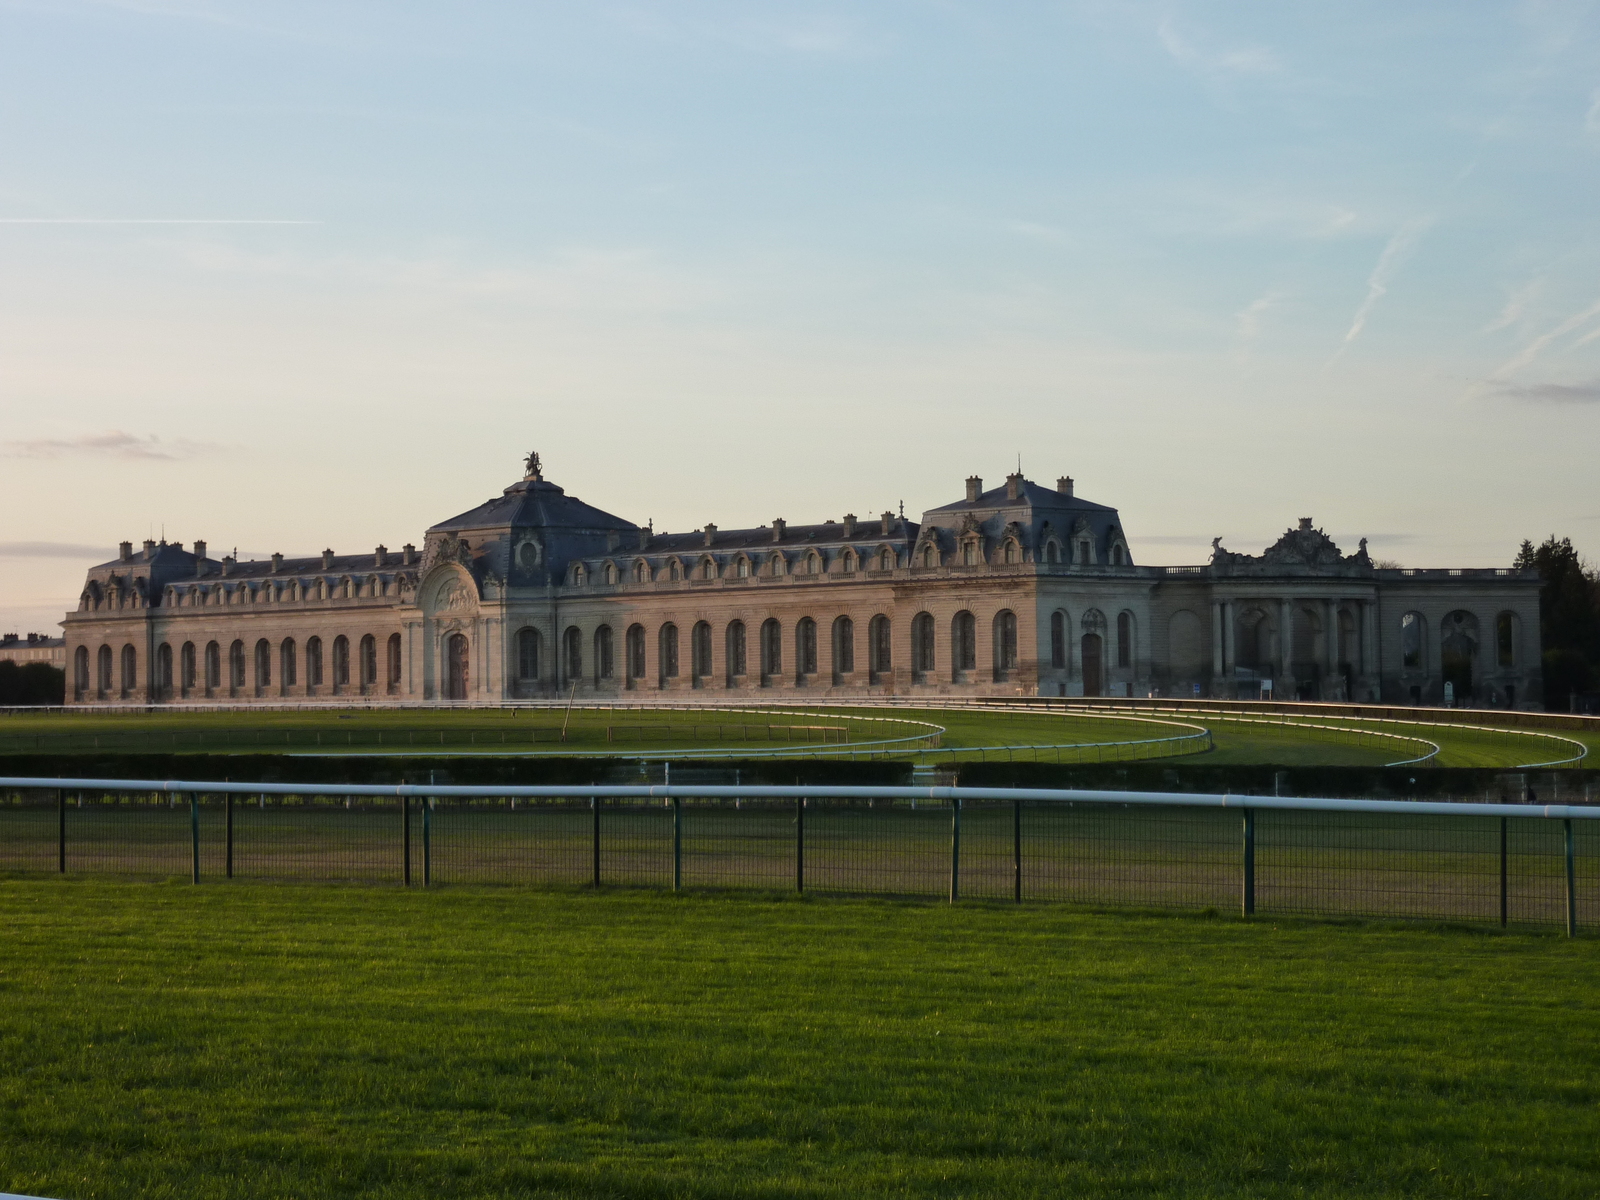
[
  {"x": 1458, "y": 646},
  {"x": 1093, "y": 677},
  {"x": 456, "y": 674}
]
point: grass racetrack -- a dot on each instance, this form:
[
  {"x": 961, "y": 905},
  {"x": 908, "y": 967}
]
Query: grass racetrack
[{"x": 165, "y": 1041}]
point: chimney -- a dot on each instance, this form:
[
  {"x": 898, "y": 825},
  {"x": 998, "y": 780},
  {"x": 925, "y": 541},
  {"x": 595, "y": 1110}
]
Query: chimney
[
  {"x": 1064, "y": 486},
  {"x": 380, "y": 556},
  {"x": 849, "y": 525},
  {"x": 1014, "y": 486},
  {"x": 149, "y": 549},
  {"x": 125, "y": 552},
  {"x": 778, "y": 526},
  {"x": 974, "y": 488},
  {"x": 408, "y": 554},
  {"x": 227, "y": 563},
  {"x": 711, "y": 532},
  {"x": 888, "y": 522},
  {"x": 277, "y": 563},
  {"x": 199, "y": 548},
  {"x": 644, "y": 537},
  {"x": 327, "y": 559}
]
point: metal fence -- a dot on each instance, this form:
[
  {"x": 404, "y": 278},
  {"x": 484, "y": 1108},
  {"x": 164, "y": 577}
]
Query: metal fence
[{"x": 1505, "y": 863}]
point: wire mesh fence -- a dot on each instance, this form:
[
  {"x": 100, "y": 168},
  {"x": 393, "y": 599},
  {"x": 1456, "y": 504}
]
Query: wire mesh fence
[{"x": 1527, "y": 866}]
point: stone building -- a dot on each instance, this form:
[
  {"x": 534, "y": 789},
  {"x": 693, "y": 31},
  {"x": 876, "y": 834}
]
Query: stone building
[
  {"x": 34, "y": 647},
  {"x": 1016, "y": 590}
]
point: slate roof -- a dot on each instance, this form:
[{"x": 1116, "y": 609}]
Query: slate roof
[
  {"x": 534, "y": 503},
  {"x": 1032, "y": 494},
  {"x": 759, "y": 540}
]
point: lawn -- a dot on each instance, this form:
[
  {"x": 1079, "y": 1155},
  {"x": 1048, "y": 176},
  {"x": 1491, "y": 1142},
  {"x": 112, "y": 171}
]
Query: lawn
[{"x": 254, "y": 1040}]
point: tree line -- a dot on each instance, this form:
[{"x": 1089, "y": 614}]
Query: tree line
[
  {"x": 1569, "y": 620},
  {"x": 31, "y": 683}
]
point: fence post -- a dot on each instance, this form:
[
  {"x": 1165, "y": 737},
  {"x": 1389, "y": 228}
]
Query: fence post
[
  {"x": 800, "y": 844},
  {"x": 594, "y": 803},
  {"x": 955, "y": 850},
  {"x": 61, "y": 830},
  {"x": 194, "y": 837},
  {"x": 1248, "y": 896},
  {"x": 427, "y": 840},
  {"x": 405, "y": 839},
  {"x": 227, "y": 834},
  {"x": 1572, "y": 881},
  {"x": 677, "y": 844},
  {"x": 1502, "y": 872},
  {"x": 1016, "y": 847}
]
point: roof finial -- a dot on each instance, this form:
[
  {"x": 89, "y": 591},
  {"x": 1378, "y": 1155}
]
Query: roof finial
[
  {"x": 533, "y": 467},
  {"x": 902, "y": 510}
]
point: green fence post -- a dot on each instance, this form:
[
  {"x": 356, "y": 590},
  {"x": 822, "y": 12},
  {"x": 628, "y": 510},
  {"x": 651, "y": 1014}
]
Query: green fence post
[
  {"x": 427, "y": 840},
  {"x": 594, "y": 803},
  {"x": 1572, "y": 881},
  {"x": 1248, "y": 892},
  {"x": 61, "y": 831},
  {"x": 1502, "y": 872},
  {"x": 194, "y": 837},
  {"x": 677, "y": 844},
  {"x": 955, "y": 850},
  {"x": 1016, "y": 848},
  {"x": 800, "y": 844},
  {"x": 405, "y": 839}
]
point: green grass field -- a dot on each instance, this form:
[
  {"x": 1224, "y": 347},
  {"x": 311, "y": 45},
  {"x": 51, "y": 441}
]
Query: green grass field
[{"x": 258, "y": 1041}]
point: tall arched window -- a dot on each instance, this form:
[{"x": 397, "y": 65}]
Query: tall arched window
[
  {"x": 701, "y": 649},
  {"x": 1117, "y": 555},
  {"x": 286, "y": 663},
  {"x": 878, "y": 633},
  {"x": 1052, "y": 552},
  {"x": 737, "y": 651},
  {"x": 669, "y": 651},
  {"x": 1005, "y": 643},
  {"x": 771, "y": 647},
  {"x": 1058, "y": 641},
  {"x": 163, "y": 680},
  {"x": 105, "y": 682},
  {"x": 263, "y": 657},
  {"x": 930, "y": 556},
  {"x": 458, "y": 668},
  {"x": 130, "y": 670},
  {"x": 1012, "y": 553},
  {"x": 80, "y": 672},
  {"x": 1505, "y": 640},
  {"x": 1411, "y": 642},
  {"x": 805, "y": 646},
  {"x": 885, "y": 560},
  {"x": 213, "y": 666},
  {"x": 1124, "y": 639},
  {"x": 186, "y": 668},
  {"x": 236, "y": 665},
  {"x": 922, "y": 656},
  {"x": 844, "y": 645},
  {"x": 743, "y": 569},
  {"x": 395, "y": 663},
  {"x": 964, "y": 642},
  {"x": 675, "y": 570},
  {"x": 369, "y": 660},
  {"x": 341, "y": 661},
  {"x": 573, "y": 652},
  {"x": 848, "y": 560},
  {"x": 708, "y": 568},
  {"x": 635, "y": 652},
  {"x": 527, "y": 654},
  {"x": 604, "y": 653},
  {"x": 641, "y": 571},
  {"x": 611, "y": 572},
  {"x": 313, "y": 662}
]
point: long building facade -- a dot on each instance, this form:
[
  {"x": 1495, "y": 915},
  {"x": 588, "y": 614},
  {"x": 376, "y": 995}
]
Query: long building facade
[{"x": 1016, "y": 590}]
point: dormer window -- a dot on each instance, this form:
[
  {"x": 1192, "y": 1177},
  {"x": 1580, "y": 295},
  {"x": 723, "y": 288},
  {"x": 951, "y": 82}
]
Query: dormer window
[
  {"x": 930, "y": 556},
  {"x": 611, "y": 572},
  {"x": 579, "y": 575},
  {"x": 743, "y": 569},
  {"x": 969, "y": 554},
  {"x": 813, "y": 564},
  {"x": 641, "y": 571},
  {"x": 674, "y": 571},
  {"x": 708, "y": 569},
  {"x": 885, "y": 560},
  {"x": 1012, "y": 555}
]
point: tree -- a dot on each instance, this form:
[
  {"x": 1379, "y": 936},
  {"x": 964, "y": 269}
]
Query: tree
[
  {"x": 31, "y": 683},
  {"x": 1569, "y": 618}
]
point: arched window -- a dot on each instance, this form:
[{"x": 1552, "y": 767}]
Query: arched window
[
  {"x": 1005, "y": 643},
  {"x": 708, "y": 568},
  {"x": 369, "y": 661},
  {"x": 1124, "y": 639},
  {"x": 771, "y": 647},
  {"x": 878, "y": 633},
  {"x": 805, "y": 646},
  {"x": 701, "y": 649},
  {"x": 105, "y": 683},
  {"x": 964, "y": 641},
  {"x": 675, "y": 571},
  {"x": 635, "y": 651},
  {"x": 849, "y": 562},
  {"x": 1505, "y": 640},
  {"x": 458, "y": 670},
  {"x": 314, "y": 662},
  {"x": 813, "y": 564},
  {"x": 736, "y": 650},
  {"x": 130, "y": 670},
  {"x": 1093, "y": 677},
  {"x": 286, "y": 663},
  {"x": 885, "y": 560},
  {"x": 1012, "y": 553},
  {"x": 669, "y": 651},
  {"x": 604, "y": 668},
  {"x": 213, "y": 666},
  {"x": 1058, "y": 641},
  {"x": 341, "y": 661},
  {"x": 579, "y": 575},
  {"x": 80, "y": 671},
  {"x": 1411, "y": 642},
  {"x": 1052, "y": 552},
  {"x": 236, "y": 665},
  {"x": 573, "y": 652},
  {"x": 641, "y": 571},
  {"x": 922, "y": 656},
  {"x": 779, "y": 565},
  {"x": 186, "y": 668},
  {"x": 969, "y": 553},
  {"x": 163, "y": 680},
  {"x": 1458, "y": 652},
  {"x": 930, "y": 556},
  {"x": 395, "y": 662},
  {"x": 743, "y": 569},
  {"x": 1117, "y": 556},
  {"x": 611, "y": 572},
  {"x": 528, "y": 654},
  {"x": 844, "y": 645}
]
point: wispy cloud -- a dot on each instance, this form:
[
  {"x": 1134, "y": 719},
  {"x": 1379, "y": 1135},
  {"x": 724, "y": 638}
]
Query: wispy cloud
[
  {"x": 55, "y": 550},
  {"x": 1553, "y": 393},
  {"x": 1542, "y": 343},
  {"x": 1394, "y": 255},
  {"x": 1248, "y": 318},
  {"x": 1239, "y": 60},
  {"x": 112, "y": 444},
  {"x": 1516, "y": 304}
]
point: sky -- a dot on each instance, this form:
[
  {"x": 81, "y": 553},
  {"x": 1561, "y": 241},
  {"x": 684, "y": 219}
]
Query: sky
[{"x": 286, "y": 276}]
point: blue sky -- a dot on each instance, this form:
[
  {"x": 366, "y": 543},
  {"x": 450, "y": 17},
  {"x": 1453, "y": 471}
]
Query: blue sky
[{"x": 286, "y": 276}]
